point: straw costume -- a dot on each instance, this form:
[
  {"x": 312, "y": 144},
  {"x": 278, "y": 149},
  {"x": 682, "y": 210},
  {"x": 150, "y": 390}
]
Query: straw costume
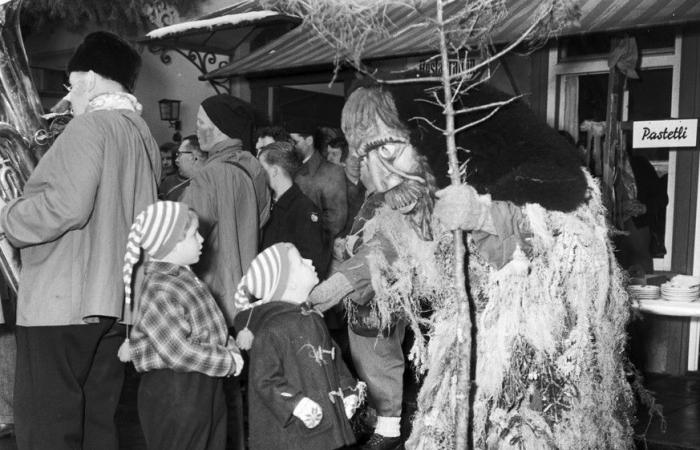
[{"x": 550, "y": 307}]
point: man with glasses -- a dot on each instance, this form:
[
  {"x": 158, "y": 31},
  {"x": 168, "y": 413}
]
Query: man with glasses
[
  {"x": 71, "y": 226},
  {"x": 189, "y": 159}
]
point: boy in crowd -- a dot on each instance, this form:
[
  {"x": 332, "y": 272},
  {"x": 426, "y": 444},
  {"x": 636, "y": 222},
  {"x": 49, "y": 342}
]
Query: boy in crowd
[
  {"x": 294, "y": 217},
  {"x": 301, "y": 395},
  {"x": 179, "y": 340}
]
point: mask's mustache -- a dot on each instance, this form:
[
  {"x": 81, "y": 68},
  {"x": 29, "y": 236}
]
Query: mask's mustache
[{"x": 405, "y": 196}]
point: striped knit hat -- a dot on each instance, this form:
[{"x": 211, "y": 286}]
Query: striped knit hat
[
  {"x": 157, "y": 229},
  {"x": 266, "y": 278}
]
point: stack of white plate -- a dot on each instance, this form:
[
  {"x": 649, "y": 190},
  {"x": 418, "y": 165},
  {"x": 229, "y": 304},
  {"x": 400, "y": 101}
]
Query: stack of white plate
[
  {"x": 647, "y": 292},
  {"x": 675, "y": 293}
]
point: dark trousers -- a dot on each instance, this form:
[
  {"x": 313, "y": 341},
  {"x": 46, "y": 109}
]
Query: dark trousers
[
  {"x": 182, "y": 411},
  {"x": 67, "y": 386},
  {"x": 234, "y": 405}
]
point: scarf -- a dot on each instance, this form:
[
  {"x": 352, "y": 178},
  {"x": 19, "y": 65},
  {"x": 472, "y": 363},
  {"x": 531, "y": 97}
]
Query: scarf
[{"x": 114, "y": 100}]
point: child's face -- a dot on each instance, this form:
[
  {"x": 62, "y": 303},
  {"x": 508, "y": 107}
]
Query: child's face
[
  {"x": 302, "y": 275},
  {"x": 187, "y": 251}
]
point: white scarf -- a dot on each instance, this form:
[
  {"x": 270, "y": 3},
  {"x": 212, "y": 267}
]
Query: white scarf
[{"x": 114, "y": 100}]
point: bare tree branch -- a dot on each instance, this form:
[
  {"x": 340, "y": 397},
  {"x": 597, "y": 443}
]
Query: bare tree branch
[
  {"x": 428, "y": 122},
  {"x": 500, "y": 54},
  {"x": 487, "y": 106},
  {"x": 477, "y": 122}
]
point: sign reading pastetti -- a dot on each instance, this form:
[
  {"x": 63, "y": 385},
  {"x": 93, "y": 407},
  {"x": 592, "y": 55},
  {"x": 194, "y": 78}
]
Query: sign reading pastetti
[{"x": 665, "y": 133}]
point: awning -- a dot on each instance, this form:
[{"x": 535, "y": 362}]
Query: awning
[
  {"x": 301, "y": 48},
  {"x": 220, "y": 34}
]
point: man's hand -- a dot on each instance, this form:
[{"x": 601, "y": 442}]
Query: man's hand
[
  {"x": 461, "y": 207},
  {"x": 309, "y": 412},
  {"x": 351, "y": 403}
]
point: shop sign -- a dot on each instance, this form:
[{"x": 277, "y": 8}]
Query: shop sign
[
  {"x": 433, "y": 67},
  {"x": 665, "y": 133}
]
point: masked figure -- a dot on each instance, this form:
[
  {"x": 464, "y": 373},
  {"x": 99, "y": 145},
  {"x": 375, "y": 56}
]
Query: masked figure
[{"x": 550, "y": 308}]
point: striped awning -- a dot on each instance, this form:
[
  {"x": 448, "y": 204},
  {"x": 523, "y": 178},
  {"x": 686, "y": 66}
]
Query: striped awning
[{"x": 301, "y": 48}]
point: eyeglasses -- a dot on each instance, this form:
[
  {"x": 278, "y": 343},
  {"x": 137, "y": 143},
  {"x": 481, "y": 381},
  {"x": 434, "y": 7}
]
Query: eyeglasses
[{"x": 178, "y": 154}]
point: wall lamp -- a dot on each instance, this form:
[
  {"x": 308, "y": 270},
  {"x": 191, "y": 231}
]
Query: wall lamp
[{"x": 170, "y": 112}]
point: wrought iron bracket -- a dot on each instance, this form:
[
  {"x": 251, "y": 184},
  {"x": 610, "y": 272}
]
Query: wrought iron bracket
[{"x": 204, "y": 62}]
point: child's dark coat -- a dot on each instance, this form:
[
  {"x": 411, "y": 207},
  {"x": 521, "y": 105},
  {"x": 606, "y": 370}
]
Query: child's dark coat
[{"x": 287, "y": 365}]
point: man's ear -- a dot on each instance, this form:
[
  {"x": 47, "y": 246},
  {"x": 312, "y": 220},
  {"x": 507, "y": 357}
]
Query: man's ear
[
  {"x": 309, "y": 141},
  {"x": 90, "y": 81}
]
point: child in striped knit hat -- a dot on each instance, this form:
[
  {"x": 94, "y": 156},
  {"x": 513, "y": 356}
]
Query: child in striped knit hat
[
  {"x": 179, "y": 339},
  {"x": 300, "y": 393}
]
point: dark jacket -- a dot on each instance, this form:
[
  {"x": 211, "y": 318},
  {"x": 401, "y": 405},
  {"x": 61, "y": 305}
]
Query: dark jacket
[
  {"x": 324, "y": 183},
  {"x": 295, "y": 219},
  {"x": 286, "y": 366}
]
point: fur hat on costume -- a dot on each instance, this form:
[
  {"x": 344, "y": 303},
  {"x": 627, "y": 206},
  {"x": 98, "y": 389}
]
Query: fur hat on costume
[
  {"x": 370, "y": 117},
  {"x": 157, "y": 230},
  {"x": 233, "y": 116},
  {"x": 265, "y": 280},
  {"x": 516, "y": 156},
  {"x": 108, "y": 55}
]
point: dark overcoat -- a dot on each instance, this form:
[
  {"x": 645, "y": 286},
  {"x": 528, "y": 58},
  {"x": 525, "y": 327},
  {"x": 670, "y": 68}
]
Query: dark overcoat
[{"x": 293, "y": 357}]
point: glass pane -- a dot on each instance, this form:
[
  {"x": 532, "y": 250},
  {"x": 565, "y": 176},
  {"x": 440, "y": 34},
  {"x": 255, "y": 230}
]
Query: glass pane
[{"x": 649, "y": 98}]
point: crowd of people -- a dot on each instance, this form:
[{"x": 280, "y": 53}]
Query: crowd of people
[
  {"x": 296, "y": 261},
  {"x": 224, "y": 242}
]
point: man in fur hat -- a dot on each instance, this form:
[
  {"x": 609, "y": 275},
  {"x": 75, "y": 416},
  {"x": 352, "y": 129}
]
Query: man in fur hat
[{"x": 71, "y": 226}]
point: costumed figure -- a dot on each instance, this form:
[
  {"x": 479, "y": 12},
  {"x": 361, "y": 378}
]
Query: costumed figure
[
  {"x": 550, "y": 305},
  {"x": 383, "y": 281}
]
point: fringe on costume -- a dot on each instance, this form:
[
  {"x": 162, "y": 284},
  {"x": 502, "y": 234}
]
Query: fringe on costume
[{"x": 550, "y": 339}]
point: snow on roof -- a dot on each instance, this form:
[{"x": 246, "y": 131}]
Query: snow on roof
[{"x": 231, "y": 19}]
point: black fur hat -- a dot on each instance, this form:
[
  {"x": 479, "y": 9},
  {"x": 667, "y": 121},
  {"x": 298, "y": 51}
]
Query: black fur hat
[
  {"x": 513, "y": 156},
  {"x": 108, "y": 55}
]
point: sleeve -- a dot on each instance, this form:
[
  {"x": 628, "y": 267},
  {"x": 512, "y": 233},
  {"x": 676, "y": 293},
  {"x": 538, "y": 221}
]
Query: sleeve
[
  {"x": 356, "y": 269},
  {"x": 60, "y": 197},
  {"x": 165, "y": 323},
  {"x": 268, "y": 381},
  {"x": 199, "y": 195},
  {"x": 511, "y": 230},
  {"x": 335, "y": 208},
  {"x": 265, "y": 208}
]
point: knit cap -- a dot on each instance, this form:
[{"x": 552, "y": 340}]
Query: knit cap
[
  {"x": 266, "y": 278},
  {"x": 156, "y": 229},
  {"x": 233, "y": 116}
]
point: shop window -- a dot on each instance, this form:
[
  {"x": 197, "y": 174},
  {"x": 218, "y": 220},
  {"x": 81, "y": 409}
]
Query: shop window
[{"x": 578, "y": 95}]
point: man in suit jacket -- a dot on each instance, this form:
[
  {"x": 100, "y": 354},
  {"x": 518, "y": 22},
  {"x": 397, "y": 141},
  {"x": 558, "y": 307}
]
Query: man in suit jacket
[{"x": 322, "y": 181}]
